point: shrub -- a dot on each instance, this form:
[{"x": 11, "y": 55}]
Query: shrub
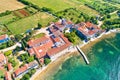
[
  {"x": 8, "y": 53},
  {"x": 47, "y": 61}
]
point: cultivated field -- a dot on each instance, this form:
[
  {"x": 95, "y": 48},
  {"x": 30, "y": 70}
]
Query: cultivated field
[
  {"x": 24, "y": 24},
  {"x": 60, "y": 5},
  {"x": 10, "y": 5},
  {"x": 55, "y": 5}
]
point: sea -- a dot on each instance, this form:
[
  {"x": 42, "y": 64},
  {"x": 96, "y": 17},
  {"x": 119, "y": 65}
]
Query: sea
[{"x": 104, "y": 58}]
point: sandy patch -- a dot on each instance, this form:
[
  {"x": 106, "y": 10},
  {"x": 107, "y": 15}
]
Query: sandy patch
[{"x": 10, "y": 5}]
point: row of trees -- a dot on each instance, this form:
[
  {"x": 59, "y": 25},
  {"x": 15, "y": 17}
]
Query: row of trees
[
  {"x": 75, "y": 16},
  {"x": 110, "y": 24},
  {"x": 25, "y": 58},
  {"x": 45, "y": 9},
  {"x": 28, "y": 75},
  {"x": 6, "y": 44},
  {"x": 103, "y": 8},
  {"x": 5, "y": 13}
]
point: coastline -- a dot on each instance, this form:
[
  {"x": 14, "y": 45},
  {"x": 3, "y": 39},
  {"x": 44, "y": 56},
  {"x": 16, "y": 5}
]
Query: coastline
[
  {"x": 41, "y": 74},
  {"x": 53, "y": 66}
]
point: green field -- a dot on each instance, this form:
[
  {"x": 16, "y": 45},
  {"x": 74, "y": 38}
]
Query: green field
[
  {"x": 55, "y": 5},
  {"x": 1, "y": 75},
  {"x": 6, "y": 19},
  {"x": 38, "y": 36},
  {"x": 24, "y": 24},
  {"x": 60, "y": 5}
]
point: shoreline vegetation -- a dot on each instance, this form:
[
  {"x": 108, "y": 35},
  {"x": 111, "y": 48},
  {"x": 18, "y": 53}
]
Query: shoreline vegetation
[{"x": 51, "y": 68}]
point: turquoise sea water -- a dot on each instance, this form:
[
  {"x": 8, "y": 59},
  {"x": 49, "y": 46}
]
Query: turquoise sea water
[{"x": 104, "y": 60}]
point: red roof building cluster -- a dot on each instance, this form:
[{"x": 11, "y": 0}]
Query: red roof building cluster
[
  {"x": 60, "y": 25},
  {"x": 39, "y": 46},
  {"x": 88, "y": 29},
  {"x": 48, "y": 46}
]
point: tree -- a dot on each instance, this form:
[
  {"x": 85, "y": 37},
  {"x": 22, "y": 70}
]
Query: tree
[
  {"x": 47, "y": 61},
  {"x": 26, "y": 58},
  {"x": 26, "y": 77},
  {"x": 108, "y": 16},
  {"x": 10, "y": 43},
  {"x": 18, "y": 37},
  {"x": 8, "y": 53},
  {"x": 39, "y": 26}
]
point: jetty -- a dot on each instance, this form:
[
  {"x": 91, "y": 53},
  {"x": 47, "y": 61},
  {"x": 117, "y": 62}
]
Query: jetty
[{"x": 83, "y": 54}]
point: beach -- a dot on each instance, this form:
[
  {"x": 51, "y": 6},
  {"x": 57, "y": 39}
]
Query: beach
[{"x": 54, "y": 65}]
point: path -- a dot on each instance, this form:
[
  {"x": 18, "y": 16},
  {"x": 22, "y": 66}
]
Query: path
[
  {"x": 82, "y": 53},
  {"x": 10, "y": 48}
]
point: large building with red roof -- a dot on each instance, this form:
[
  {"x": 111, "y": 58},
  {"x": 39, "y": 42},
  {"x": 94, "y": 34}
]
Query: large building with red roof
[
  {"x": 38, "y": 47},
  {"x": 61, "y": 43},
  {"x": 48, "y": 46},
  {"x": 87, "y": 30}
]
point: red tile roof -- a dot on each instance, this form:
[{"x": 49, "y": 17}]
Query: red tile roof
[
  {"x": 57, "y": 39},
  {"x": 37, "y": 41},
  {"x": 3, "y": 37},
  {"x": 2, "y": 57},
  {"x": 31, "y": 51},
  {"x": 54, "y": 51},
  {"x": 88, "y": 24},
  {"x": 40, "y": 50},
  {"x": 20, "y": 70},
  {"x": 8, "y": 76},
  {"x": 41, "y": 61},
  {"x": 85, "y": 28},
  {"x": 10, "y": 66}
]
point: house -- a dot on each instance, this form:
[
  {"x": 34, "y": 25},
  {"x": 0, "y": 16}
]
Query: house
[
  {"x": 87, "y": 30},
  {"x": 10, "y": 68},
  {"x": 3, "y": 60},
  {"x": 4, "y": 38},
  {"x": 32, "y": 65},
  {"x": 8, "y": 76},
  {"x": 39, "y": 46},
  {"x": 20, "y": 72},
  {"x": 25, "y": 69},
  {"x": 60, "y": 25}
]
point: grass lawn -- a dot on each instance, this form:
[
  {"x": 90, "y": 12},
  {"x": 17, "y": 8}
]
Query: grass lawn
[
  {"x": 24, "y": 24},
  {"x": 55, "y": 5},
  {"x": 7, "y": 18},
  {"x": 79, "y": 4},
  {"x": 60, "y": 5},
  {"x": 1, "y": 74},
  {"x": 38, "y": 35}
]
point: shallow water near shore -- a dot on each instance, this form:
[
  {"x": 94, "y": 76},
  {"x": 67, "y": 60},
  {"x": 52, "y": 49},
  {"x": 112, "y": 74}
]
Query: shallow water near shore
[{"x": 104, "y": 59}]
